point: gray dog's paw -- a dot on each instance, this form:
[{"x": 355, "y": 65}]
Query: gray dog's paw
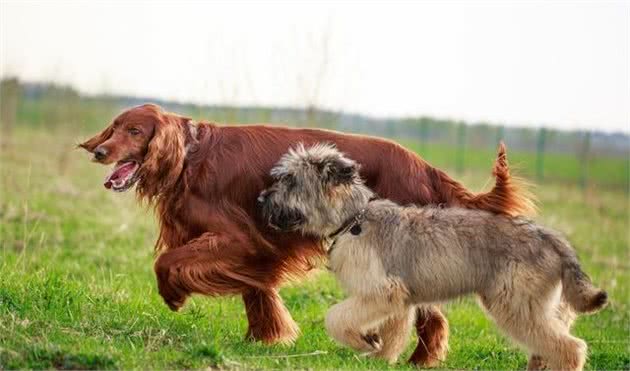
[{"x": 374, "y": 340}]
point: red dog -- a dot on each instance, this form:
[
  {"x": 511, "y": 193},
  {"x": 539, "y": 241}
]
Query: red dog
[{"x": 204, "y": 179}]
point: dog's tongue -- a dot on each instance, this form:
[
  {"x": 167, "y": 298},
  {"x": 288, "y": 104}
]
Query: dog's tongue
[{"x": 120, "y": 172}]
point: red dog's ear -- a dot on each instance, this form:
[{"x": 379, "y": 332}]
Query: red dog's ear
[
  {"x": 164, "y": 160},
  {"x": 91, "y": 144}
]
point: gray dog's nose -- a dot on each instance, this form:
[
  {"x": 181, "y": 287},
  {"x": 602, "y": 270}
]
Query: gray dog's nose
[
  {"x": 100, "y": 153},
  {"x": 261, "y": 197}
]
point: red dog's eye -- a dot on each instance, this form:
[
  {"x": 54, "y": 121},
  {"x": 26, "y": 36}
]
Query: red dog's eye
[{"x": 134, "y": 131}]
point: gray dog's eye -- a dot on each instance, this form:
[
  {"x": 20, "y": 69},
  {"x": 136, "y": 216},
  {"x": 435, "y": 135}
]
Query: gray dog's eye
[
  {"x": 289, "y": 179},
  {"x": 355, "y": 230}
]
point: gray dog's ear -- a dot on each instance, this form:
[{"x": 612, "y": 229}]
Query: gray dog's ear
[{"x": 343, "y": 171}]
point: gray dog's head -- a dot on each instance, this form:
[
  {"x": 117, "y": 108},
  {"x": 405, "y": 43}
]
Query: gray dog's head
[{"x": 315, "y": 190}]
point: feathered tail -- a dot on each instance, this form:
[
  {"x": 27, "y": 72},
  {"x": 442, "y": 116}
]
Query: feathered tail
[{"x": 509, "y": 196}]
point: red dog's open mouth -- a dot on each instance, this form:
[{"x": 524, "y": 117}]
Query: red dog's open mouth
[{"x": 122, "y": 177}]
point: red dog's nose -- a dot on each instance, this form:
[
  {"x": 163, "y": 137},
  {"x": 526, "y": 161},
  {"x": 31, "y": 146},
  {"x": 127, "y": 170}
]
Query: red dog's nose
[{"x": 100, "y": 153}]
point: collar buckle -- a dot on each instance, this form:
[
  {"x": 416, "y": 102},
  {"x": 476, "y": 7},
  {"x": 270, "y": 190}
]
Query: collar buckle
[{"x": 356, "y": 220}]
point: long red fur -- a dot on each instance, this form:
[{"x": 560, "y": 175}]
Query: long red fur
[{"x": 212, "y": 241}]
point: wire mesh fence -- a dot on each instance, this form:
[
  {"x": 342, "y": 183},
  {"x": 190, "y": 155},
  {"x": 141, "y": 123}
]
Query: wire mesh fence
[{"x": 585, "y": 158}]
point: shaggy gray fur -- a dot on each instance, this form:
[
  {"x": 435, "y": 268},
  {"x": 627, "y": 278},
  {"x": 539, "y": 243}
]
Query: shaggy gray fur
[{"x": 390, "y": 258}]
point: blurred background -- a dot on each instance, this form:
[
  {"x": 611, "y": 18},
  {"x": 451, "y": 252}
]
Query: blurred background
[{"x": 447, "y": 79}]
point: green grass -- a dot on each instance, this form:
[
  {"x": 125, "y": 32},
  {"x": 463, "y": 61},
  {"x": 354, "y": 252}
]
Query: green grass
[{"x": 77, "y": 289}]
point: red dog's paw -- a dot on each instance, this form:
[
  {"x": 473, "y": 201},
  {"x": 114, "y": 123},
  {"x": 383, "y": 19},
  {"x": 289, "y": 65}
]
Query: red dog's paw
[
  {"x": 168, "y": 288},
  {"x": 172, "y": 297},
  {"x": 175, "y": 305}
]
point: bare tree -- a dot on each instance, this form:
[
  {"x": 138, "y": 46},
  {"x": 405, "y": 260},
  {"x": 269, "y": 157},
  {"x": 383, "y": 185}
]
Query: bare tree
[
  {"x": 311, "y": 81},
  {"x": 230, "y": 87}
]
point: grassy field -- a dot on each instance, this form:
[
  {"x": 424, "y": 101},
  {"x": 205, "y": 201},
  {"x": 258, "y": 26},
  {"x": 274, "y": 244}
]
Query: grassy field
[
  {"x": 77, "y": 289},
  {"x": 609, "y": 172}
]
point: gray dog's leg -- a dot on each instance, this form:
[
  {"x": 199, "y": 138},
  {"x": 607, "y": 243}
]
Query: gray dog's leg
[
  {"x": 394, "y": 333},
  {"x": 353, "y": 322}
]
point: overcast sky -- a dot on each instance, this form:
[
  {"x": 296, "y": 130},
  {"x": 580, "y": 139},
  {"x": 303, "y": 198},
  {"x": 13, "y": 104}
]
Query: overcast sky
[{"x": 563, "y": 64}]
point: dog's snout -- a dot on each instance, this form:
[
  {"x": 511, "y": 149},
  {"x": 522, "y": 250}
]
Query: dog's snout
[
  {"x": 286, "y": 220},
  {"x": 100, "y": 153}
]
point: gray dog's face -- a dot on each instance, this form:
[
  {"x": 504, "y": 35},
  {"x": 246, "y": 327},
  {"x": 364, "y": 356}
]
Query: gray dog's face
[{"x": 315, "y": 190}]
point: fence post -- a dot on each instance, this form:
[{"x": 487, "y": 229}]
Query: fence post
[
  {"x": 584, "y": 157},
  {"x": 423, "y": 138},
  {"x": 9, "y": 96},
  {"x": 540, "y": 153},
  {"x": 461, "y": 142},
  {"x": 391, "y": 128},
  {"x": 500, "y": 134}
]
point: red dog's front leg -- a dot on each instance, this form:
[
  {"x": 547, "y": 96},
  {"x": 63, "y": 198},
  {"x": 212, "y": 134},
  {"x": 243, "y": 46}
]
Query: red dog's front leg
[
  {"x": 216, "y": 265},
  {"x": 199, "y": 267}
]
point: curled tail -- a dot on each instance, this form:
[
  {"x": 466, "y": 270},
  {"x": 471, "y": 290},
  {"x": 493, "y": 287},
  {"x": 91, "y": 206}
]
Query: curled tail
[
  {"x": 577, "y": 288},
  {"x": 509, "y": 196},
  {"x": 579, "y": 291}
]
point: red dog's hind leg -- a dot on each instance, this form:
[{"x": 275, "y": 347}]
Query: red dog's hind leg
[
  {"x": 432, "y": 329},
  {"x": 269, "y": 320},
  {"x": 203, "y": 267}
]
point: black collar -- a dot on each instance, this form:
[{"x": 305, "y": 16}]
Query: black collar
[
  {"x": 348, "y": 224},
  {"x": 355, "y": 220}
]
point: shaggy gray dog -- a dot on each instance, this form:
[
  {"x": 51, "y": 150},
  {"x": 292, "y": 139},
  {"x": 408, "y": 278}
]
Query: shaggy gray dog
[{"x": 391, "y": 258}]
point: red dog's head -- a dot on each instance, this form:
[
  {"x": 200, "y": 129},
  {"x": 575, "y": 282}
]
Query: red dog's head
[{"x": 146, "y": 145}]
